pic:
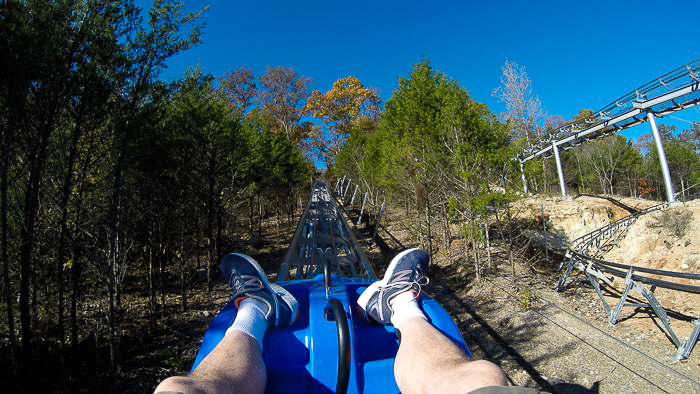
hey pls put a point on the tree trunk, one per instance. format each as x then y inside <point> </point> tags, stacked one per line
<point>28,233</point>
<point>251,205</point>
<point>447,236</point>
<point>63,240</point>
<point>260,216</point>
<point>112,239</point>
<point>488,242</point>
<point>427,220</point>
<point>544,175</point>
<point>161,262</point>
<point>477,267</point>
<point>465,251</point>
<point>6,269</point>
<point>210,222</point>
<point>151,282</point>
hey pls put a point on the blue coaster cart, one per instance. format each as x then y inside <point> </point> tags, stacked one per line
<point>329,349</point>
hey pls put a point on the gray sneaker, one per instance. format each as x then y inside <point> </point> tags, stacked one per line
<point>247,279</point>
<point>405,273</point>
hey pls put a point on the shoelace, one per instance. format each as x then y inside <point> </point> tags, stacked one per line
<point>250,283</point>
<point>415,284</point>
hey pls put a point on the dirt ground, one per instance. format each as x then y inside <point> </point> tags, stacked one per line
<point>555,342</point>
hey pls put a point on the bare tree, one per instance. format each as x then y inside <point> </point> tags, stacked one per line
<point>524,113</point>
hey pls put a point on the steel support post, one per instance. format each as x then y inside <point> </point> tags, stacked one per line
<point>522,175</point>
<point>623,299</point>
<point>658,309</point>
<point>596,287</point>
<point>362,210</point>
<point>342,181</point>
<point>353,196</point>
<point>559,170</point>
<point>376,226</point>
<point>662,157</point>
<point>346,190</point>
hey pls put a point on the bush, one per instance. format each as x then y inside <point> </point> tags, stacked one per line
<point>676,221</point>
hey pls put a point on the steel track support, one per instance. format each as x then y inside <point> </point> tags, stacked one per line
<point>596,287</point>
<point>658,309</point>
<point>376,227</point>
<point>562,185</point>
<point>342,199</point>
<point>362,210</point>
<point>628,286</point>
<point>662,157</point>
<point>687,345</point>
<point>522,175</point>
<point>353,196</point>
<point>565,277</point>
<point>339,185</point>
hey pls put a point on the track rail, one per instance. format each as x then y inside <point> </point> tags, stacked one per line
<point>587,254</point>
<point>324,239</point>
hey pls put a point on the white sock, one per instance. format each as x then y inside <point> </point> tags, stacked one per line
<point>250,319</point>
<point>404,306</point>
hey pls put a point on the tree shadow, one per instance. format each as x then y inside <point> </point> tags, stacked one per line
<point>631,210</point>
<point>569,388</point>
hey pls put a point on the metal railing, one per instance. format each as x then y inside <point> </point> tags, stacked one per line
<point>341,189</point>
<point>587,254</point>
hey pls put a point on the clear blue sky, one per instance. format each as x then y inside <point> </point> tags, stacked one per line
<point>582,54</point>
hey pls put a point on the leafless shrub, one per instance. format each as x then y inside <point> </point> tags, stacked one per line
<point>676,221</point>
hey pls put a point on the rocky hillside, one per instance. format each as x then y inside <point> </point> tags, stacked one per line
<point>665,240</point>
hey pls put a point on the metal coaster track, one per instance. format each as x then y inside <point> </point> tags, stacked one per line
<point>587,254</point>
<point>330,344</point>
<point>324,241</point>
<point>675,91</point>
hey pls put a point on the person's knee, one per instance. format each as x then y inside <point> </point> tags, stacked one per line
<point>173,384</point>
<point>488,372</point>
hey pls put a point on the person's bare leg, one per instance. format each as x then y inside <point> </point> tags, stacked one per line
<point>428,362</point>
<point>234,366</point>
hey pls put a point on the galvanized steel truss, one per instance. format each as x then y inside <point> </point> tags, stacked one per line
<point>587,255</point>
<point>673,92</point>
